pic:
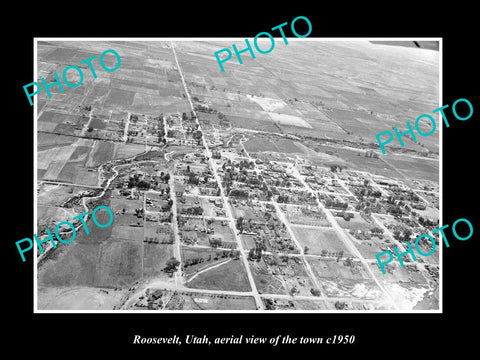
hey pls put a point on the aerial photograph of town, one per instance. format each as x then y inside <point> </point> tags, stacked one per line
<point>261,188</point>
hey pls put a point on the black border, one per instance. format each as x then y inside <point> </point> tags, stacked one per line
<point>376,334</point>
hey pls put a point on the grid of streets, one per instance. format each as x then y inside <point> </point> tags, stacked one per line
<point>204,221</point>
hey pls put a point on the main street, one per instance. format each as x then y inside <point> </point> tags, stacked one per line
<point>226,206</point>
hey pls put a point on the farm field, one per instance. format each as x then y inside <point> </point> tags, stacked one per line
<point>427,169</point>
<point>319,239</point>
<point>97,259</point>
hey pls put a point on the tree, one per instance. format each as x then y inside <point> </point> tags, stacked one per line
<point>305,249</point>
<point>340,305</point>
<point>258,253</point>
<point>90,128</point>
<point>192,179</point>
<point>142,184</point>
<point>215,242</point>
<point>171,265</point>
<point>240,223</point>
<point>197,135</point>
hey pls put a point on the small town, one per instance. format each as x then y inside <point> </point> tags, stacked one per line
<point>226,200</point>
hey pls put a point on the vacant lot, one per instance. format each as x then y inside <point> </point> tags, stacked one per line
<point>198,259</point>
<point>191,300</point>
<point>119,264</point>
<point>209,207</point>
<point>78,298</point>
<point>344,279</point>
<point>155,257</point>
<point>196,301</point>
<point>71,264</point>
<point>120,203</point>
<point>125,151</point>
<point>318,239</point>
<point>255,144</point>
<point>123,232</point>
<point>368,247</point>
<point>356,223</point>
<point>248,241</point>
<point>406,285</point>
<point>229,276</point>
<point>266,281</point>
<point>311,215</point>
<point>281,275</point>
<point>416,167</point>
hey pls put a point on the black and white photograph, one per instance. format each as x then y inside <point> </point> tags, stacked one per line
<point>261,187</point>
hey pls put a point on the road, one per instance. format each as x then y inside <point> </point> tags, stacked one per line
<point>69,184</point>
<point>284,219</point>
<point>347,241</point>
<point>156,284</point>
<point>176,244</point>
<point>226,206</point>
<point>125,129</point>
